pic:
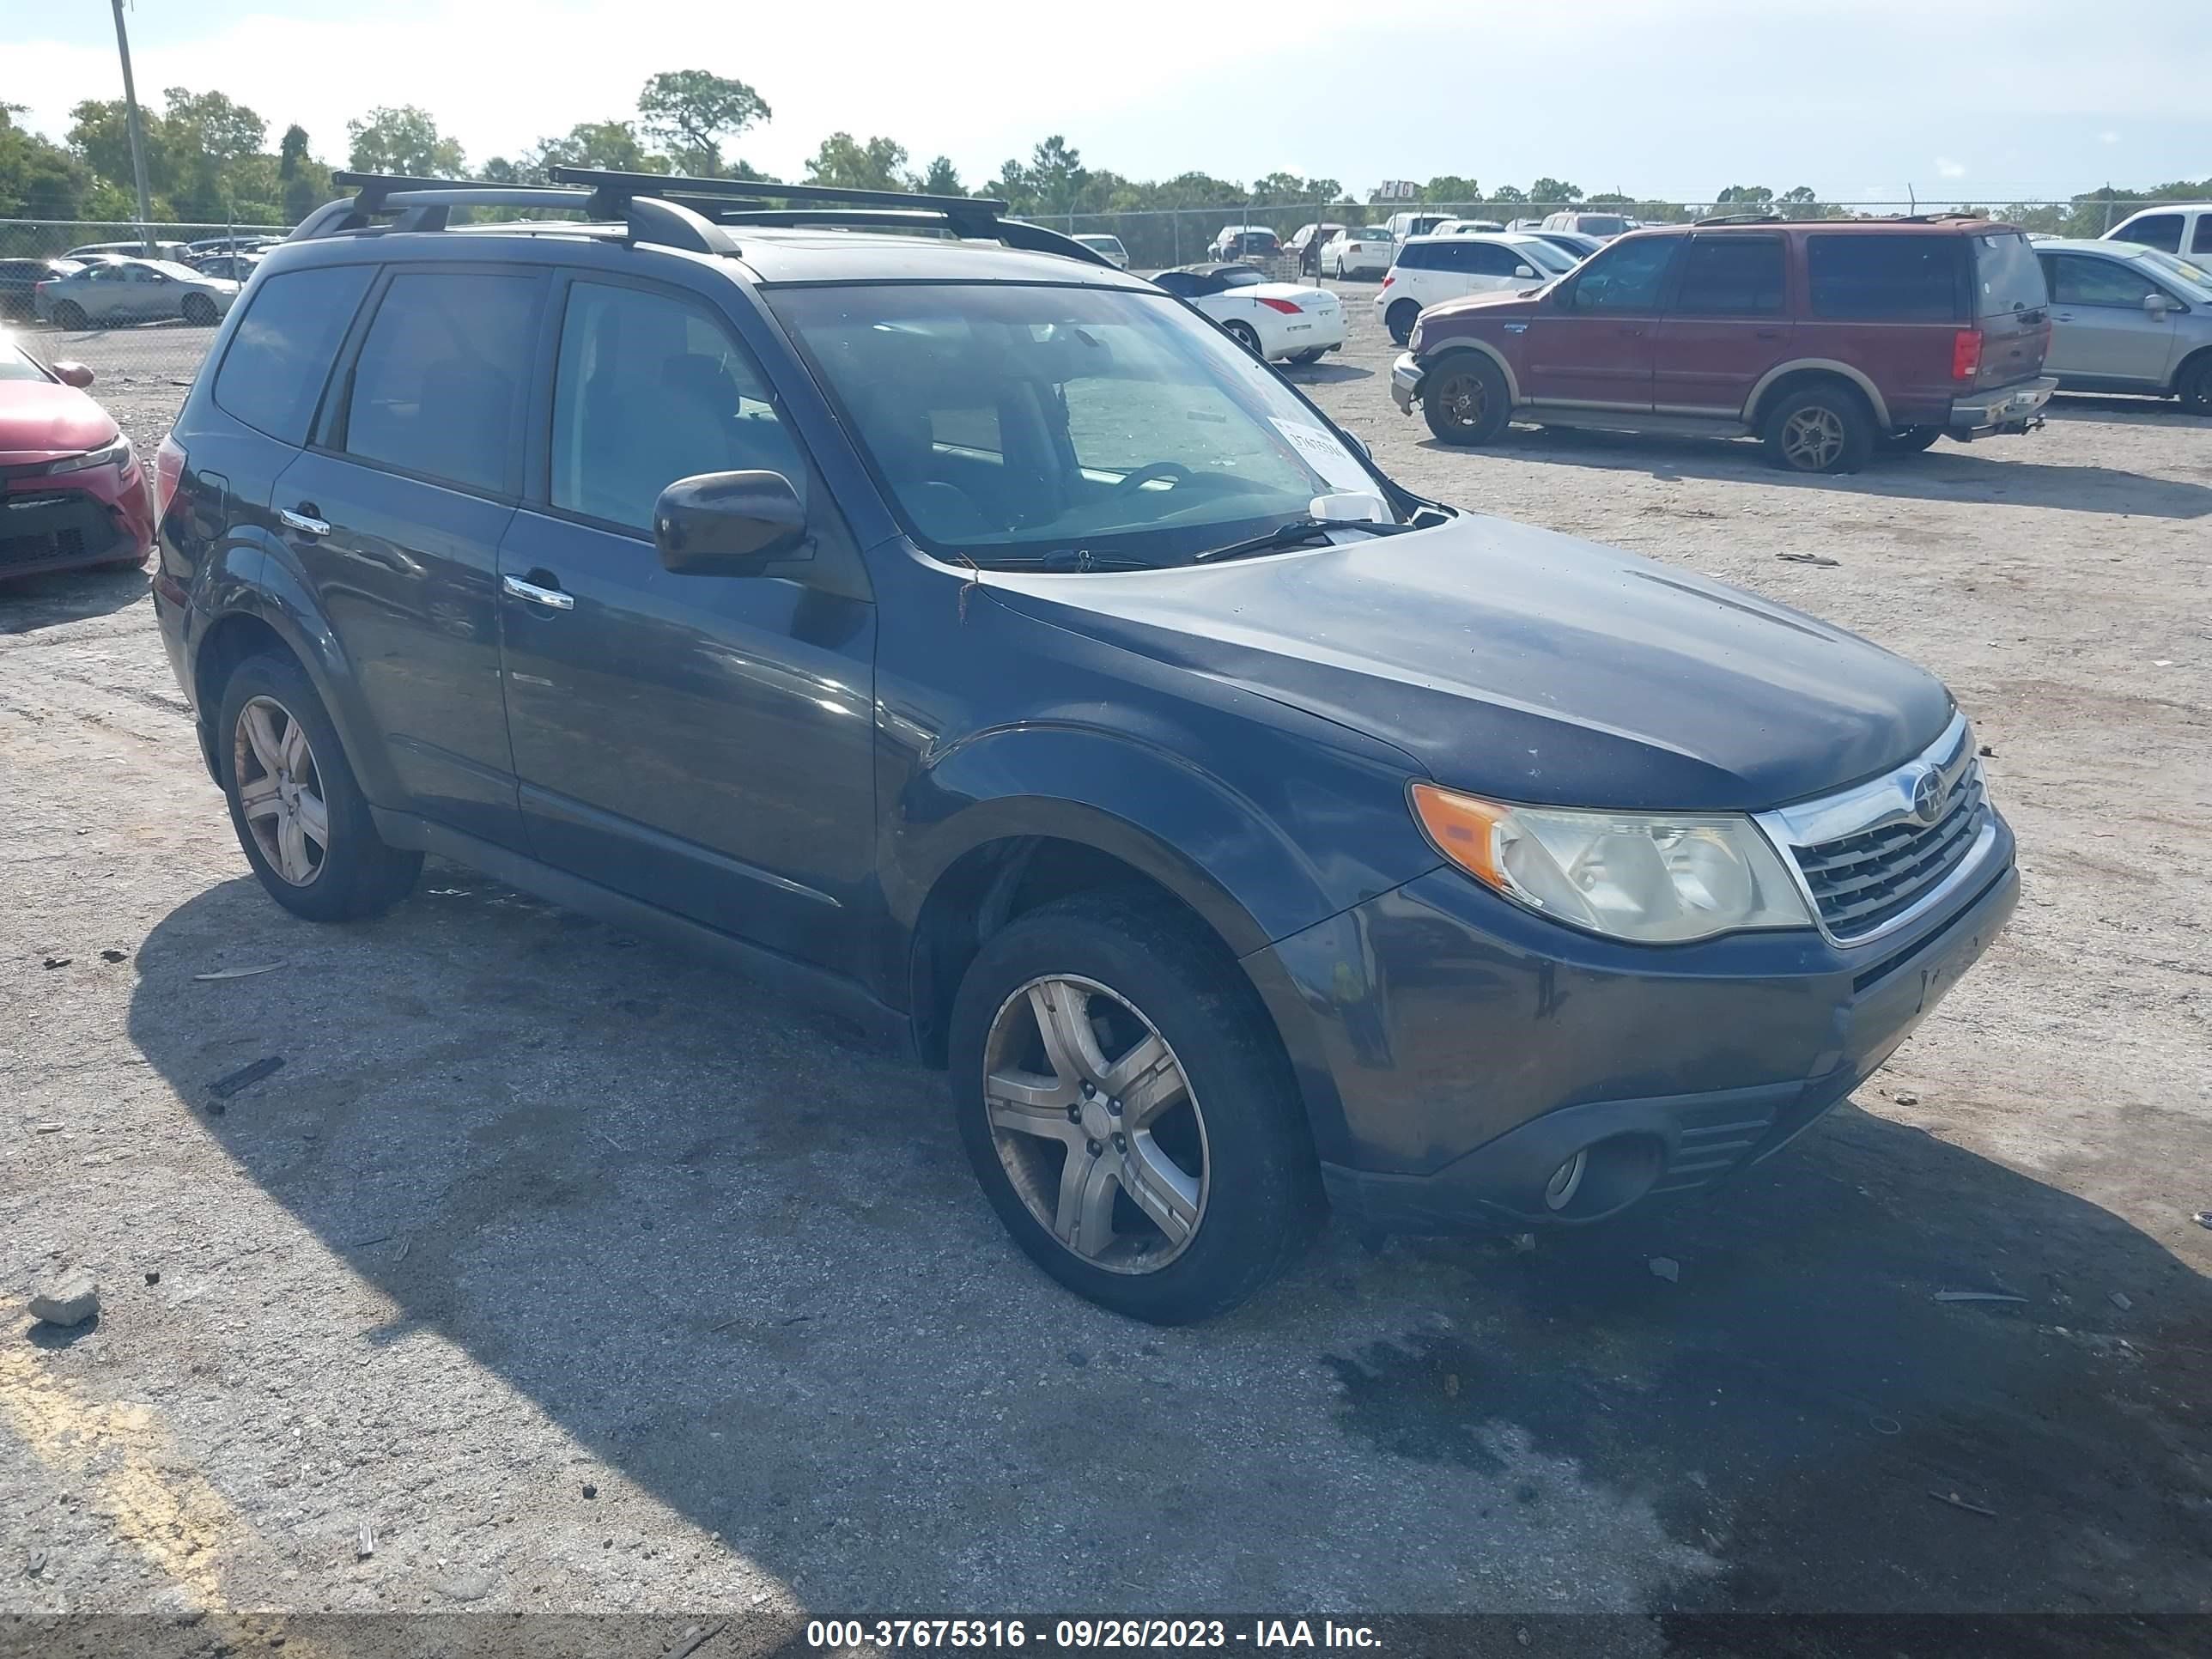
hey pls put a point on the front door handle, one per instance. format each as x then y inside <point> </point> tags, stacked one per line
<point>2063,316</point>
<point>551,597</point>
<point>305,523</point>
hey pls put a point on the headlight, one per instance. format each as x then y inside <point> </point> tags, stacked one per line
<point>1657,877</point>
<point>115,454</point>
<point>1413,339</point>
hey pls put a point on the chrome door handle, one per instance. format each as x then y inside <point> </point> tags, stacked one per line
<point>302,523</point>
<point>551,597</point>
<point>2063,316</point>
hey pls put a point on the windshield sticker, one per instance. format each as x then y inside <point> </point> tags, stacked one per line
<point>1325,455</point>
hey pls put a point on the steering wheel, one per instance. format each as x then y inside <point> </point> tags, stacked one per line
<point>1144,474</point>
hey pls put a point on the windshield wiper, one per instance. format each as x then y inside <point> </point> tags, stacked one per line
<point>1066,558</point>
<point>1290,534</point>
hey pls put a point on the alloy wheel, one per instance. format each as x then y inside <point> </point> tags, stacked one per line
<point>1812,437</point>
<point>279,792</point>
<point>1096,1125</point>
<point>1465,400</point>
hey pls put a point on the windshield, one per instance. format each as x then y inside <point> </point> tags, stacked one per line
<point>1014,423</point>
<point>14,366</point>
<point>2172,266</point>
<point>1553,261</point>
<point>1239,275</point>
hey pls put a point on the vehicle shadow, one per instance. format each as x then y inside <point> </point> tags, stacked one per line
<point>2122,411</point>
<point>1326,373</point>
<point>1947,472</point>
<point>28,603</point>
<point>742,1262</point>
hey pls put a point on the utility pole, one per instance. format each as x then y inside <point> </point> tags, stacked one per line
<point>138,131</point>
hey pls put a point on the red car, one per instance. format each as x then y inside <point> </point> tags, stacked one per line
<point>1831,339</point>
<point>72,492</point>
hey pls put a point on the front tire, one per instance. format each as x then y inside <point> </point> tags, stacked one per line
<point>300,816</point>
<point>1465,401</point>
<point>1400,320</point>
<point>1245,335</point>
<point>1127,1110</point>
<point>2194,384</point>
<point>200,311</point>
<point>1819,429</point>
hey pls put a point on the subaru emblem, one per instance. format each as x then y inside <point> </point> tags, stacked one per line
<point>1930,796</point>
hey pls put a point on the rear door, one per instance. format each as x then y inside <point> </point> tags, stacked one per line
<point>395,513</point>
<point>2011,307</point>
<point>2099,329</point>
<point>702,743</point>
<point>1591,341</point>
<point>1728,324</point>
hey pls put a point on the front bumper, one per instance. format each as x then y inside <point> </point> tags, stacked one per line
<point>1406,375</point>
<point>1456,1051</point>
<point>2015,408</point>
<point>68,521</point>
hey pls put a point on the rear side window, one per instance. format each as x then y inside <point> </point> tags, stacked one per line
<point>1419,256</point>
<point>2160,230</point>
<point>2202,242</point>
<point>1886,278</point>
<point>438,384</point>
<point>1733,275</point>
<point>2006,275</point>
<point>280,355</point>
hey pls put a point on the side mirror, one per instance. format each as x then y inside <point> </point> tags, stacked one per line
<point>729,524</point>
<point>1528,271</point>
<point>76,374</point>
<point>2155,304</point>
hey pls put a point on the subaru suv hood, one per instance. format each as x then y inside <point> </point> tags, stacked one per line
<point>1527,665</point>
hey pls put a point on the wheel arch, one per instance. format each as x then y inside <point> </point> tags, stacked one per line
<point>1787,377</point>
<point>2200,359</point>
<point>1480,348</point>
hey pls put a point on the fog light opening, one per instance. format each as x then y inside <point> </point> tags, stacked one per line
<point>1566,1181</point>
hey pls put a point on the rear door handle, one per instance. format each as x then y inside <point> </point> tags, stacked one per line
<point>551,597</point>
<point>304,522</point>
<point>1766,334</point>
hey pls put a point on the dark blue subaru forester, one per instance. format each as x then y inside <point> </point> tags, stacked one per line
<point>896,600</point>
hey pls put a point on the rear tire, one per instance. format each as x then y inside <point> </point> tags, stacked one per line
<point>1464,400</point>
<point>277,749</point>
<point>2193,385</point>
<point>1400,320</point>
<point>68,317</point>
<point>200,311</point>
<point>1819,429</point>
<point>1908,440</point>
<point>1313,356</point>
<point>1245,335</point>
<point>1220,1116</point>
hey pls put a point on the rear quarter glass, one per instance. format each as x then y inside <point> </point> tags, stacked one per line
<point>272,373</point>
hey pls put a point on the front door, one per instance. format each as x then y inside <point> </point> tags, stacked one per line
<point>1728,324</point>
<point>1591,341</point>
<point>395,513</point>
<point>702,743</point>
<point>2099,327</point>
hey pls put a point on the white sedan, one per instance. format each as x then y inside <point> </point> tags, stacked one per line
<point>1271,320</point>
<point>1366,252</point>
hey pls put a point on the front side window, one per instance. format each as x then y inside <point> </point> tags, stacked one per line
<point>650,388</point>
<point>280,353</point>
<point>1732,276</point>
<point>1888,278</point>
<point>1626,276</point>
<point>1016,423</point>
<point>2083,279</point>
<point>438,385</point>
<point>2158,230</point>
<point>2202,241</point>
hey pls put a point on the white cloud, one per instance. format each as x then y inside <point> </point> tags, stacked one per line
<point>1948,168</point>
<point>2108,137</point>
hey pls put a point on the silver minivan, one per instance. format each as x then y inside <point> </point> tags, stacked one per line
<point>2125,317</point>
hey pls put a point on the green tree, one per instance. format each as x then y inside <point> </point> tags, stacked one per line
<point>843,161</point>
<point>611,145</point>
<point>39,180</point>
<point>1451,187</point>
<point>100,134</point>
<point>1553,191</point>
<point>692,111</point>
<point>1507,194</point>
<point>403,139</point>
<point>292,152</point>
<point>1745,195</point>
<point>940,178</point>
<point>1057,174</point>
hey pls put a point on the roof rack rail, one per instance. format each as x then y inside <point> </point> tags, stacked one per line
<point>978,217</point>
<point>419,204</point>
<point>1741,219</point>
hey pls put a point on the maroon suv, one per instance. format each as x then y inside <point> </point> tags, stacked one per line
<point>1828,339</point>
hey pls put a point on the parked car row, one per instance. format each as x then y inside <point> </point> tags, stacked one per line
<point>106,289</point>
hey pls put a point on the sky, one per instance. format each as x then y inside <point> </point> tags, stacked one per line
<point>1672,99</point>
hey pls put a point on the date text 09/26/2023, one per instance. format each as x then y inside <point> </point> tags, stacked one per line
<point>1090,1635</point>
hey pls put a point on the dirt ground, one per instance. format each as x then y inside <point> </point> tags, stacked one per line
<point>590,1279</point>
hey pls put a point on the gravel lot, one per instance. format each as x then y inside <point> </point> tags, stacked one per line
<point>595,1281</point>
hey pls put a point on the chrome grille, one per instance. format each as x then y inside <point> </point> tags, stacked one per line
<point>1859,882</point>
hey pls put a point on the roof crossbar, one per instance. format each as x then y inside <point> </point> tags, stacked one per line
<point>428,203</point>
<point>678,183</point>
